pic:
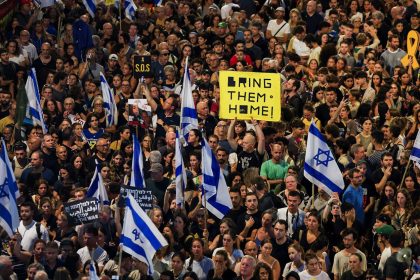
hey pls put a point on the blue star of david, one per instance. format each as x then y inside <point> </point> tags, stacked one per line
<point>137,235</point>
<point>3,193</point>
<point>323,157</point>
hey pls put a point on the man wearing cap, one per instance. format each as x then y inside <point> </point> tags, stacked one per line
<point>383,233</point>
<point>157,183</point>
<point>112,68</point>
<point>278,27</point>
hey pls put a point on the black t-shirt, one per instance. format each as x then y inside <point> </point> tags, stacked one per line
<point>173,120</point>
<point>280,251</point>
<point>378,174</point>
<point>349,276</point>
<point>244,217</point>
<point>158,188</point>
<point>247,160</point>
<point>394,269</point>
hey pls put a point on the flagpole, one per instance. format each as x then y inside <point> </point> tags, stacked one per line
<point>205,208</point>
<point>405,172</point>
<point>119,10</point>
<point>313,195</point>
<point>120,260</point>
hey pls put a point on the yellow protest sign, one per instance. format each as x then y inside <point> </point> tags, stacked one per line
<point>109,2</point>
<point>413,40</point>
<point>246,95</point>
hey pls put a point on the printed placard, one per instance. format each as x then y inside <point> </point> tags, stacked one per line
<point>142,66</point>
<point>82,211</point>
<point>247,95</point>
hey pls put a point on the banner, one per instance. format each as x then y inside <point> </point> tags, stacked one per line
<point>142,66</point>
<point>246,95</point>
<point>82,211</point>
<point>144,197</point>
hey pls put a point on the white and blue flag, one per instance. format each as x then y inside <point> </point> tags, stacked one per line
<point>130,9</point>
<point>189,118</point>
<point>180,173</point>
<point>111,111</point>
<point>214,187</point>
<point>140,237</point>
<point>157,2</point>
<point>97,188</point>
<point>34,109</point>
<point>92,272</point>
<point>137,176</point>
<point>320,167</point>
<point>415,152</point>
<point>90,7</point>
<point>44,3</point>
<point>9,192</point>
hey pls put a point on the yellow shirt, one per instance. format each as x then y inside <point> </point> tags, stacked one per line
<point>308,124</point>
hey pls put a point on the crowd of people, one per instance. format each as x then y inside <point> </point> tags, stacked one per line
<point>340,67</point>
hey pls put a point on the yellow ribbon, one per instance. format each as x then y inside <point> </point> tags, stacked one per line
<point>412,48</point>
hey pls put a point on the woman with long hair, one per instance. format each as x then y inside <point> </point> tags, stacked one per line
<point>313,231</point>
<point>64,230</point>
<point>365,137</point>
<point>411,184</point>
<point>222,266</point>
<point>263,272</point>
<point>386,197</point>
<point>296,263</point>
<point>266,229</point>
<point>177,265</point>
<point>16,54</point>
<point>376,81</point>
<point>231,248</point>
<point>198,262</point>
<point>402,209</point>
<point>226,224</point>
<point>265,257</point>
<point>47,217</point>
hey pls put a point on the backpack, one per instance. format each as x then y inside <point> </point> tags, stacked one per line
<point>38,230</point>
<point>277,202</point>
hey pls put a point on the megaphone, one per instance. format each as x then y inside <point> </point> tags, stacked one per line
<point>405,255</point>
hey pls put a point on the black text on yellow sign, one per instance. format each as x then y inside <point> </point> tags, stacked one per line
<point>247,95</point>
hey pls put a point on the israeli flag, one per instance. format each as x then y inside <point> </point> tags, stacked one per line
<point>9,192</point>
<point>90,7</point>
<point>214,187</point>
<point>137,176</point>
<point>189,118</point>
<point>415,152</point>
<point>180,173</point>
<point>130,9</point>
<point>320,167</point>
<point>44,3</point>
<point>157,2</point>
<point>140,237</point>
<point>97,188</point>
<point>110,106</point>
<point>92,272</point>
<point>34,109</point>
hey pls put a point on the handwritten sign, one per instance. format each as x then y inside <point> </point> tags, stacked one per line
<point>76,119</point>
<point>142,66</point>
<point>413,40</point>
<point>246,95</point>
<point>144,197</point>
<point>82,211</point>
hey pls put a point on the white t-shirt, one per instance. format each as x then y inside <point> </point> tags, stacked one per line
<point>273,26</point>
<point>30,235</point>
<point>386,253</point>
<point>225,10</point>
<point>304,275</point>
<point>100,256</point>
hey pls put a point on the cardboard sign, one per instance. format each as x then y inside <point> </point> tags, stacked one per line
<point>139,113</point>
<point>142,66</point>
<point>144,197</point>
<point>82,211</point>
<point>76,119</point>
<point>247,95</point>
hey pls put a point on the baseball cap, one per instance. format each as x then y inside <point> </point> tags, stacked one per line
<point>156,167</point>
<point>113,57</point>
<point>384,218</point>
<point>385,230</point>
<point>222,24</point>
<point>280,9</point>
